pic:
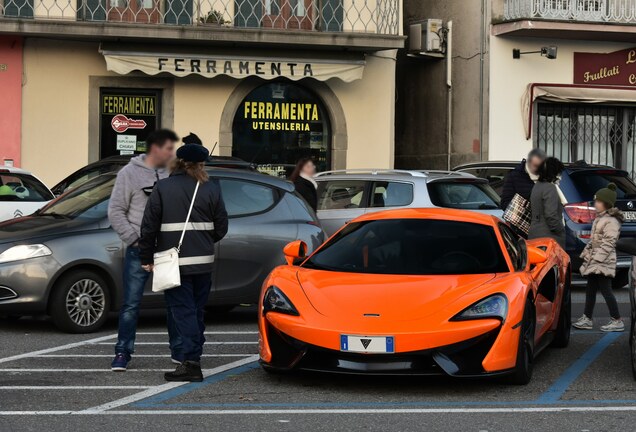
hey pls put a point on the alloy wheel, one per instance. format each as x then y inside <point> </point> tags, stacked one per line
<point>85,302</point>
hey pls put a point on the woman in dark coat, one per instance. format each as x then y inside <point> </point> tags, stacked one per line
<point>546,203</point>
<point>303,179</point>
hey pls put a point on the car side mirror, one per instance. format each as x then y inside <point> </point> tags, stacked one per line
<point>536,255</point>
<point>295,250</point>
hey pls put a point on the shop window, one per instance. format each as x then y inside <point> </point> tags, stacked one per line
<point>596,134</point>
<point>127,116</point>
<point>279,123</point>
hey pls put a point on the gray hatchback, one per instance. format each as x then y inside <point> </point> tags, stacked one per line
<point>66,261</point>
<point>345,195</point>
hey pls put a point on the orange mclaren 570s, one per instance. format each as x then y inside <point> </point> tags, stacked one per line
<point>417,291</point>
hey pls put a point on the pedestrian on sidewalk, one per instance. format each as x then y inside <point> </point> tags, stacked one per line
<point>163,223</point>
<point>546,203</point>
<point>133,185</point>
<point>522,179</point>
<point>599,260</point>
<point>303,179</point>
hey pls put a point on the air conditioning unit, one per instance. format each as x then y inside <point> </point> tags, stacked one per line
<point>425,37</point>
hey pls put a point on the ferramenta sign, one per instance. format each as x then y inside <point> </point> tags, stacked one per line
<point>211,66</point>
<point>616,68</point>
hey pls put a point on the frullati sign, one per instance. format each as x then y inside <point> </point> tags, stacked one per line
<point>615,68</point>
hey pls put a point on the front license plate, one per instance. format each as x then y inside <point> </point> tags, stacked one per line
<point>367,344</point>
<point>629,216</point>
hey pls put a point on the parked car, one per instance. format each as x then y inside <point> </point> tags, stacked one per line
<point>21,193</point>
<point>345,195</point>
<point>114,163</point>
<point>66,261</point>
<point>378,298</point>
<point>579,183</point>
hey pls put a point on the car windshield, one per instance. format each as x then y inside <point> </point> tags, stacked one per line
<point>467,195</point>
<point>89,200</point>
<point>412,247</point>
<point>588,182</point>
<point>22,188</point>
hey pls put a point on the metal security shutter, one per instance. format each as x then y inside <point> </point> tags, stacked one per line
<point>178,12</point>
<point>597,134</point>
<point>248,13</point>
<point>18,8</point>
<point>331,15</point>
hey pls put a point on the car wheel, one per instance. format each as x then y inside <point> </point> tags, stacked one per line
<point>522,373</point>
<point>80,302</point>
<point>562,334</point>
<point>621,279</point>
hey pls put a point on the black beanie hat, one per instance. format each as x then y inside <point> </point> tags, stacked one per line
<point>193,153</point>
<point>192,139</point>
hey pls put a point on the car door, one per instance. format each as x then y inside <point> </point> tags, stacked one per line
<point>340,201</point>
<point>259,227</point>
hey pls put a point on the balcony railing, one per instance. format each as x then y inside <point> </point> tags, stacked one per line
<point>612,11</point>
<point>364,16</point>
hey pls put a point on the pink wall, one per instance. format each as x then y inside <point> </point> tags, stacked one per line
<point>11,99</point>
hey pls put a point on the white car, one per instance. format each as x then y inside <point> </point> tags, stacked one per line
<point>21,193</point>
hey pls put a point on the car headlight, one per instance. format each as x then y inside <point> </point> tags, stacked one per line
<point>276,301</point>
<point>495,306</point>
<point>22,252</point>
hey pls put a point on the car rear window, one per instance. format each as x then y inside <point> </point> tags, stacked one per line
<point>588,182</point>
<point>22,188</point>
<point>412,247</point>
<point>463,195</point>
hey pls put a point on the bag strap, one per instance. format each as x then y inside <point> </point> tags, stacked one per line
<point>185,226</point>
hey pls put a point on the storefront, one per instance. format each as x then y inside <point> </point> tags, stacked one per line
<point>580,106</point>
<point>267,107</point>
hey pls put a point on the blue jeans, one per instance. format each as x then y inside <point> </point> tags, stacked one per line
<point>187,306</point>
<point>135,279</point>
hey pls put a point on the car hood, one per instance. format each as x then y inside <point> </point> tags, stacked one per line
<point>392,297</point>
<point>32,227</point>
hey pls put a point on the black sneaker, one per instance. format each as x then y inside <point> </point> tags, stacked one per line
<point>186,371</point>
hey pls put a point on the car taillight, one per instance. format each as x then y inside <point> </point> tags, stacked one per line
<point>580,213</point>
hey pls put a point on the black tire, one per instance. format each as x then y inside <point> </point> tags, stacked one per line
<point>562,334</point>
<point>621,279</point>
<point>80,302</point>
<point>522,373</point>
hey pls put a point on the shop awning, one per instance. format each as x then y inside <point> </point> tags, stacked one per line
<point>571,93</point>
<point>292,65</point>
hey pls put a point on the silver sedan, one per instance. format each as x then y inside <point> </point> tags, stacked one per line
<point>66,261</point>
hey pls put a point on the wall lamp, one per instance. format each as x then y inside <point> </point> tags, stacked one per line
<point>549,52</point>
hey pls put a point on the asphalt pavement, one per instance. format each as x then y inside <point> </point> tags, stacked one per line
<point>58,382</point>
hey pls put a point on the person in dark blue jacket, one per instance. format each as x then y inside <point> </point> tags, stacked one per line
<point>162,224</point>
<point>521,180</point>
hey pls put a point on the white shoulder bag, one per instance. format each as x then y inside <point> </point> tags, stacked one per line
<point>165,274</point>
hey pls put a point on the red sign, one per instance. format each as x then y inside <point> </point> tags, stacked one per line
<point>616,68</point>
<point>121,123</point>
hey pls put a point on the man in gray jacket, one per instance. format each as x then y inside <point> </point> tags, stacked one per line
<point>133,186</point>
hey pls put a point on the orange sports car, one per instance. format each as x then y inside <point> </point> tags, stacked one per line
<point>417,291</point>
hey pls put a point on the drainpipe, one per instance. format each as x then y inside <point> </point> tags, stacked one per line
<point>449,86</point>
<point>482,75</point>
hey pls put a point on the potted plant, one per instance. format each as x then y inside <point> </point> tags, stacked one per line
<point>213,17</point>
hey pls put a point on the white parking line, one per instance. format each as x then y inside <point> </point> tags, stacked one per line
<point>500,410</point>
<point>163,388</point>
<point>98,340</point>
<point>134,355</point>
<point>207,343</point>
<point>74,387</point>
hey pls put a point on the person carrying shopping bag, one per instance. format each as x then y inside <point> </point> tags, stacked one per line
<point>599,260</point>
<point>186,213</point>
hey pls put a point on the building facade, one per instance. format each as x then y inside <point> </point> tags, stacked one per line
<point>578,106</point>
<point>266,81</point>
